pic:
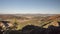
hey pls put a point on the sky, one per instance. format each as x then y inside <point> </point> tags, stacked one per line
<point>29,6</point>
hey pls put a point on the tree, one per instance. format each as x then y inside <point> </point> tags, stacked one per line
<point>15,24</point>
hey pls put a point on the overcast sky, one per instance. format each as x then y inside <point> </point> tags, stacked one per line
<point>29,6</point>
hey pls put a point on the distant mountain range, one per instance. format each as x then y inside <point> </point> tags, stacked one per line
<point>30,14</point>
